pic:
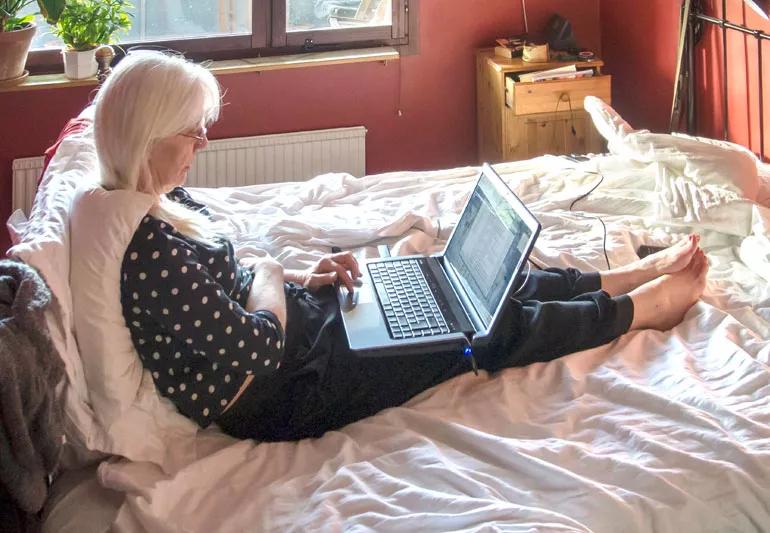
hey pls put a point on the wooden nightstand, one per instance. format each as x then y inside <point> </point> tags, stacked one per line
<point>519,120</point>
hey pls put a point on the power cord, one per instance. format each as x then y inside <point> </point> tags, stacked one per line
<point>526,279</point>
<point>576,200</point>
<point>539,267</point>
<point>571,117</point>
<point>583,196</point>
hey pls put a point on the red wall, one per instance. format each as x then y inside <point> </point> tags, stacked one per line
<point>640,43</point>
<point>639,40</point>
<point>742,68</point>
<point>435,89</point>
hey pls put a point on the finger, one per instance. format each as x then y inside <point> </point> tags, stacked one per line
<point>319,280</point>
<point>344,276</point>
<point>349,261</point>
<point>324,265</point>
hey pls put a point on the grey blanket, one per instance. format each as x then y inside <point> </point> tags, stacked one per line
<point>31,425</point>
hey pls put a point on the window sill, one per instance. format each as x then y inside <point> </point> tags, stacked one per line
<point>234,66</point>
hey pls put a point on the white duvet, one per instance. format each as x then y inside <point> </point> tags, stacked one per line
<point>653,432</point>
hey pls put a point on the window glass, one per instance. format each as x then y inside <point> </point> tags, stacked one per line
<point>304,15</point>
<point>174,19</point>
<point>43,36</point>
<point>155,20</point>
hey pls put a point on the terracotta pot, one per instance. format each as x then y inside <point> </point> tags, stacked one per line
<point>14,46</point>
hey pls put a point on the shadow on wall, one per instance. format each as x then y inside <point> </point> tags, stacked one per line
<point>743,96</point>
<point>639,40</point>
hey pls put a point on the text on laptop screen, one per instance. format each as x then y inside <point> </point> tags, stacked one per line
<point>487,246</point>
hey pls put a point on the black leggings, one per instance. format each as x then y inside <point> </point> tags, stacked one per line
<point>322,386</point>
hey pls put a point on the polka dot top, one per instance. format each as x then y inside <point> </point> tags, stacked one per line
<point>183,301</point>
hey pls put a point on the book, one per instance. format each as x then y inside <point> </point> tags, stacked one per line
<point>568,72</point>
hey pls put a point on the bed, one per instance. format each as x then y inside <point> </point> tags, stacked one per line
<point>657,431</point>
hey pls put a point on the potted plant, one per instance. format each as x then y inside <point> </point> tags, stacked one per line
<point>86,25</point>
<point>16,33</point>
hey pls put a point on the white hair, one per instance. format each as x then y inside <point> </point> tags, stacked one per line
<point>151,96</point>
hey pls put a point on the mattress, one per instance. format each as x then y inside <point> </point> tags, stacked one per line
<point>656,431</point>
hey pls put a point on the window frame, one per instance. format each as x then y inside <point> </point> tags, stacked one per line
<point>268,38</point>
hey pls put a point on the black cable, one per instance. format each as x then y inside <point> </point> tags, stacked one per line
<point>601,179</point>
<point>604,226</point>
<point>571,117</point>
<point>604,242</point>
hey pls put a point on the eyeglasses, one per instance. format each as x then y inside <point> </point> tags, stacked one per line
<point>199,136</point>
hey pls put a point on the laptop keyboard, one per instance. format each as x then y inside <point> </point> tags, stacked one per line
<point>407,301</point>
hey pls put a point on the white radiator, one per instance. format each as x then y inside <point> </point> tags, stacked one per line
<point>26,173</point>
<point>244,161</point>
<point>276,158</point>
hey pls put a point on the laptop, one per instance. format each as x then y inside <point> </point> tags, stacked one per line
<point>453,300</point>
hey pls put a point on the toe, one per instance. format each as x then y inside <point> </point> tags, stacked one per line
<point>703,263</point>
<point>694,263</point>
<point>686,247</point>
<point>693,242</point>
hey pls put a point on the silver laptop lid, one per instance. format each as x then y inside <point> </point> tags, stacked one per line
<point>489,246</point>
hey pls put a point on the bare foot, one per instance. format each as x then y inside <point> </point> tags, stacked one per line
<point>669,261</point>
<point>662,303</point>
<point>672,259</point>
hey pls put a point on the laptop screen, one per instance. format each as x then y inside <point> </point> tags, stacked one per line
<point>488,245</point>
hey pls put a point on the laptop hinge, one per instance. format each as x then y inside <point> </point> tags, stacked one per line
<point>462,295</point>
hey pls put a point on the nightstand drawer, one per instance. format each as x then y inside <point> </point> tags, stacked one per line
<point>550,96</point>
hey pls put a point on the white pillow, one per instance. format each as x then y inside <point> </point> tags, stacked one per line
<point>139,423</point>
<point>102,224</point>
<point>696,181</point>
<point>44,245</point>
<point>142,432</point>
<point>16,225</point>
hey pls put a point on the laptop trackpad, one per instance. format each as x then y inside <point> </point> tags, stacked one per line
<point>359,297</point>
<point>364,323</point>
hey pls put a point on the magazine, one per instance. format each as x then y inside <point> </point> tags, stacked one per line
<point>569,72</point>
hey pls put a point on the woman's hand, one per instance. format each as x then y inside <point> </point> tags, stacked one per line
<point>342,267</point>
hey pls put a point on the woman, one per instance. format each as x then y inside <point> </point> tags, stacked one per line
<point>259,349</point>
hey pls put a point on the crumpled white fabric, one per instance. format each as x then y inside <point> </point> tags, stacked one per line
<point>655,432</point>
<point>695,178</point>
<point>661,432</point>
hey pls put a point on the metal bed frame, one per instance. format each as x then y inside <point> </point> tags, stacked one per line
<point>697,19</point>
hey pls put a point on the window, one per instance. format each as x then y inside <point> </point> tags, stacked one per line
<point>220,29</point>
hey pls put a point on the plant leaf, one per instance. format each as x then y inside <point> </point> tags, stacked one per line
<point>17,23</point>
<point>85,24</point>
<point>51,9</point>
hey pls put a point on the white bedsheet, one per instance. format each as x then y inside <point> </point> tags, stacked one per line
<point>653,432</point>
